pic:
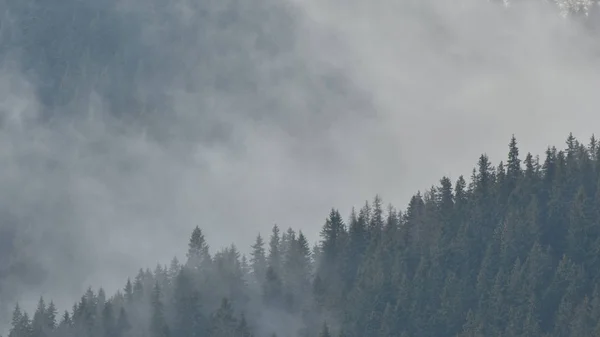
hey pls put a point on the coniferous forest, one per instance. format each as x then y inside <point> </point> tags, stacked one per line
<point>511,251</point>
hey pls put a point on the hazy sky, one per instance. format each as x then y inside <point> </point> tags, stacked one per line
<point>272,114</point>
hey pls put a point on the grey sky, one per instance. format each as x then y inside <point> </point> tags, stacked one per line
<point>272,113</point>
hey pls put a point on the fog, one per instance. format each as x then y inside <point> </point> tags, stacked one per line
<point>126,123</point>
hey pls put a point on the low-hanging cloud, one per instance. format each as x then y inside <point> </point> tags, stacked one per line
<point>125,123</point>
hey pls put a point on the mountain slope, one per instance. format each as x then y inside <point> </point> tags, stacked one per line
<point>513,252</point>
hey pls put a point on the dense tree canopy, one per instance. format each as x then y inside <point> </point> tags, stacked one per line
<point>512,252</point>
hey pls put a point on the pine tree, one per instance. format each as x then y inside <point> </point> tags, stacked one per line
<point>329,269</point>
<point>158,324</point>
<point>302,264</point>
<point>274,258</point>
<point>123,324</point>
<point>20,325</point>
<point>174,269</point>
<point>272,288</point>
<point>38,324</point>
<point>331,235</point>
<point>50,318</point>
<point>189,318</point>
<point>198,251</point>
<point>223,321</point>
<point>258,260</point>
<point>355,248</point>
<point>129,291</point>
<point>138,286</point>
<point>513,168</point>
<point>66,320</point>
<point>579,229</point>
<point>376,223</point>
<point>108,321</point>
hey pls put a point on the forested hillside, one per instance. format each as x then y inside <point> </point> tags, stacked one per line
<point>512,251</point>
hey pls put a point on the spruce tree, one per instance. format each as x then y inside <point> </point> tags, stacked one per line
<point>258,260</point>
<point>158,324</point>
<point>189,318</point>
<point>274,258</point>
<point>198,251</point>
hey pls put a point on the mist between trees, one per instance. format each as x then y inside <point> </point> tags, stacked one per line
<point>512,252</point>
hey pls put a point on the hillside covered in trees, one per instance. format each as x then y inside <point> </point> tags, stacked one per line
<point>513,251</point>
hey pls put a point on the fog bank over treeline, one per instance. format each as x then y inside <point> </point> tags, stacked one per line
<point>126,123</point>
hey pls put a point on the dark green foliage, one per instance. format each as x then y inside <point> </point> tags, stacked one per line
<point>21,326</point>
<point>258,258</point>
<point>158,323</point>
<point>189,319</point>
<point>198,255</point>
<point>123,325</point>
<point>514,252</point>
<point>272,288</point>
<point>223,321</point>
<point>274,258</point>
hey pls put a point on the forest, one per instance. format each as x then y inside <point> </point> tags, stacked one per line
<point>511,251</point>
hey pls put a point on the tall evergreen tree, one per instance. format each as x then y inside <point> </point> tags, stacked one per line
<point>513,168</point>
<point>189,317</point>
<point>38,324</point>
<point>223,321</point>
<point>258,260</point>
<point>123,325</point>
<point>158,323</point>
<point>274,258</point>
<point>198,251</point>
<point>109,325</point>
